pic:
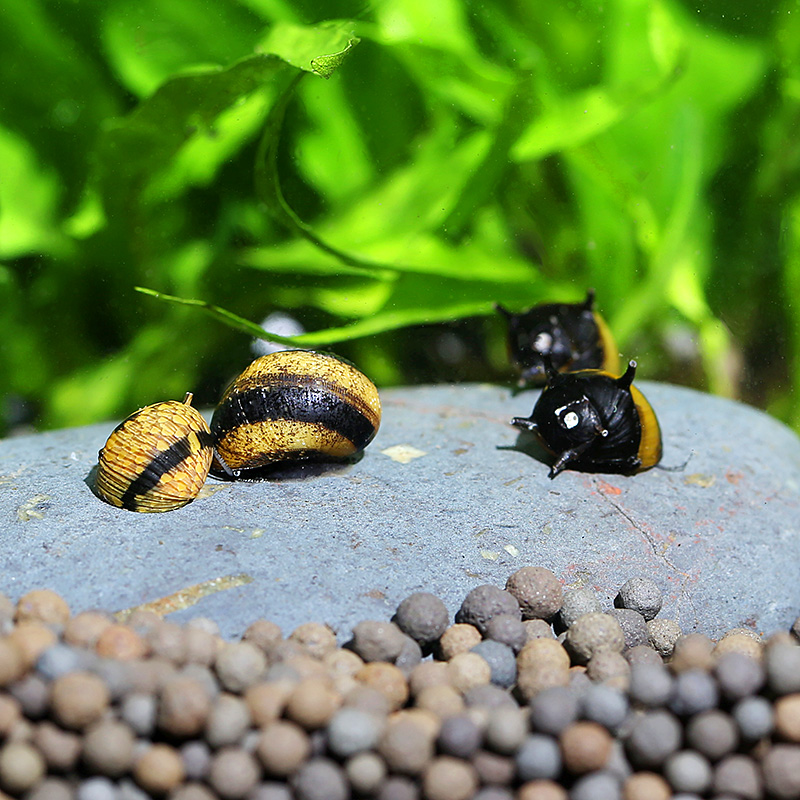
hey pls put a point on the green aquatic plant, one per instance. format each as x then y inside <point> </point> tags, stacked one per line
<point>394,165</point>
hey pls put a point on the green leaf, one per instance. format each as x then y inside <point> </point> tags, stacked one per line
<point>29,195</point>
<point>320,49</point>
<point>220,314</point>
<point>149,41</point>
<point>153,153</point>
<point>144,144</point>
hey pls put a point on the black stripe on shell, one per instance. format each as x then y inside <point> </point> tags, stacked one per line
<point>166,461</point>
<point>301,403</point>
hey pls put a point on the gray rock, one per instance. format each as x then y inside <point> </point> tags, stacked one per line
<point>470,504</point>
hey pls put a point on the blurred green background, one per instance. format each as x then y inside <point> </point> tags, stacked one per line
<point>384,172</point>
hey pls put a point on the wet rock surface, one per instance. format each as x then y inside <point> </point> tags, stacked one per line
<point>448,496</point>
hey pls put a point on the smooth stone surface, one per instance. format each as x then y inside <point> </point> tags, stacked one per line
<point>721,536</point>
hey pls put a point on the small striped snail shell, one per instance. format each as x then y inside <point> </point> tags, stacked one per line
<point>157,459</point>
<point>293,405</point>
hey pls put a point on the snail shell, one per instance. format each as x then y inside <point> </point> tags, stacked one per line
<point>593,421</point>
<point>157,459</point>
<point>572,335</point>
<point>294,405</point>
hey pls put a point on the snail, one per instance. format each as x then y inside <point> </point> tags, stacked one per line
<point>293,405</point>
<point>573,335</point>
<point>595,422</point>
<point>157,459</point>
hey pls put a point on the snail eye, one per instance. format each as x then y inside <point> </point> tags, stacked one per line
<point>543,342</point>
<point>569,420</point>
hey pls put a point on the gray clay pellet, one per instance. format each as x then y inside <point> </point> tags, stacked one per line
<point>604,705</point>
<point>492,768</point>
<point>60,748</point>
<point>738,675</point>
<point>239,664</point>
<point>168,640</point>
<point>662,635</point>
<point>633,624</point>
<point>688,771</point>
<point>62,658</point>
<point>320,779</point>
<point>650,684</point>
<point>579,682</point>
<point>538,758</point>
<point>694,691</point>
<point>508,630</point>
<point>21,767</point>
<point>139,711</point>
<point>781,767</point>
<point>782,662</point>
<point>505,730</point>
<point>459,736</point>
<point>406,747</point>
<point>643,654</point>
<point>618,763</point>
<point>193,791</point>
<point>376,640</point>
<point>712,733</point>
<point>489,696</point>
<point>501,661</point>
<point>205,624</point>
<point>108,748</point>
<point>33,694</point>
<point>227,721</point>
<point>365,772</point>
<point>183,707</point>
<point>398,787</point>
<point>552,710</point>
<point>98,788</point>
<point>592,633</point>
<point>271,790</point>
<point>577,602</point>
<point>754,717</point>
<point>423,617</point>
<point>740,776</point>
<point>537,629</point>
<point>654,737</point>
<point>233,773</point>
<point>352,730</point>
<point>485,602</point>
<point>367,699</point>
<point>538,592</point>
<point>493,793</point>
<point>116,675</point>
<point>196,757</point>
<point>640,594</point>
<point>52,789</point>
<point>409,656</point>
<point>601,785</point>
<point>203,675</point>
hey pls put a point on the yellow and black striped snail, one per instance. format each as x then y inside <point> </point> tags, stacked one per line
<point>573,335</point>
<point>593,421</point>
<point>290,406</point>
<point>157,459</point>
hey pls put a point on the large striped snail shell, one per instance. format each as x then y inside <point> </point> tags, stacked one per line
<point>294,405</point>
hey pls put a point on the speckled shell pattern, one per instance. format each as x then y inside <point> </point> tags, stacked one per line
<point>157,459</point>
<point>294,405</point>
